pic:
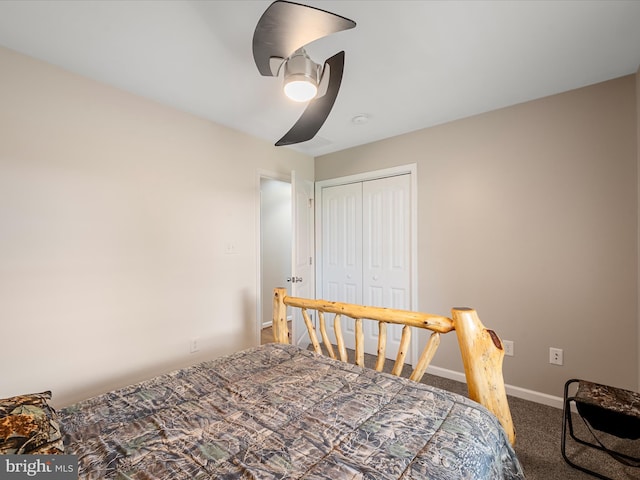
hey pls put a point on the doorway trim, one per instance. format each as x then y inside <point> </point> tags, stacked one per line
<point>410,169</point>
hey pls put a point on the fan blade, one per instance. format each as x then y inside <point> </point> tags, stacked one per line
<point>318,109</point>
<point>286,26</point>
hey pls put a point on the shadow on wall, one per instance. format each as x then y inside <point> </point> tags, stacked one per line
<point>249,321</point>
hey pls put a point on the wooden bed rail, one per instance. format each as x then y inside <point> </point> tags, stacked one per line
<point>481,349</point>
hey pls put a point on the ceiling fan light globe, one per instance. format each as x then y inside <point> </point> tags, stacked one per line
<point>300,90</point>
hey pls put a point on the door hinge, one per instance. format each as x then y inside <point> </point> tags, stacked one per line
<point>310,202</point>
<point>310,260</point>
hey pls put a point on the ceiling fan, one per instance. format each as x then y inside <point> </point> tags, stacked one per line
<point>281,34</point>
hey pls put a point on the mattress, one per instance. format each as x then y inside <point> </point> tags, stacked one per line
<point>278,411</point>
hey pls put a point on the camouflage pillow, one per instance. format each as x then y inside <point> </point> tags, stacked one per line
<point>28,424</point>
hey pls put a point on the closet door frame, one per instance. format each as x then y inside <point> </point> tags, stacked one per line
<point>410,169</point>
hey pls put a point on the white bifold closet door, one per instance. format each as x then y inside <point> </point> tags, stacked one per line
<point>366,251</point>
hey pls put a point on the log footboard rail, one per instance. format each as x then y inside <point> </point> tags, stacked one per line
<point>481,349</point>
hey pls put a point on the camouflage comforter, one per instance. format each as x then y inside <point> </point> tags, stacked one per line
<point>276,412</point>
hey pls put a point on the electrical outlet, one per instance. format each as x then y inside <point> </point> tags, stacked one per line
<point>193,345</point>
<point>556,356</point>
<point>508,347</point>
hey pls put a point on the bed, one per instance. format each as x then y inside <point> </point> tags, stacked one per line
<point>278,411</point>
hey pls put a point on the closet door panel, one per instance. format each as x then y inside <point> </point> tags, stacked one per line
<point>386,251</point>
<point>342,250</point>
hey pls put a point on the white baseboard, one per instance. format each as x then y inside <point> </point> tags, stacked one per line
<point>518,392</point>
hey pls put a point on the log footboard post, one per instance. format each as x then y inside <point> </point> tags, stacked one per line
<point>482,356</point>
<point>280,325</point>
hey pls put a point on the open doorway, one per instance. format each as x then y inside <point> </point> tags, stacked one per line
<point>275,246</point>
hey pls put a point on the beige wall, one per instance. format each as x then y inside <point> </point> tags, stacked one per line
<point>115,216</point>
<point>529,214</point>
<point>116,212</point>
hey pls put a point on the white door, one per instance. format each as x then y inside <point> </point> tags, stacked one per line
<point>366,251</point>
<point>302,262</point>
<point>342,243</point>
<point>386,252</point>
<point>342,251</point>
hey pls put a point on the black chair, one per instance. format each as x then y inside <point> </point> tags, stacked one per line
<point>608,409</point>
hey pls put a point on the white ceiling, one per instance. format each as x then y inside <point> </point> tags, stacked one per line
<point>409,64</point>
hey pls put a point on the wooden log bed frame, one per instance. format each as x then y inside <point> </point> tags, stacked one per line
<point>481,349</point>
